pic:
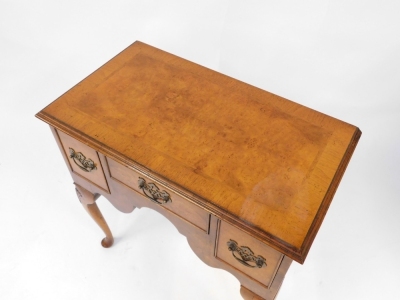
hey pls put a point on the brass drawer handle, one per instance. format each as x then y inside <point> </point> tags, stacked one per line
<point>85,164</point>
<point>152,192</point>
<point>245,255</point>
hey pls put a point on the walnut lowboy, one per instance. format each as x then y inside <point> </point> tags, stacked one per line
<point>245,175</point>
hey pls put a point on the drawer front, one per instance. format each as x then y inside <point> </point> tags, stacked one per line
<point>159,194</point>
<point>83,160</point>
<point>247,254</point>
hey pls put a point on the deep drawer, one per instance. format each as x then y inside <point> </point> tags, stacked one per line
<point>159,194</point>
<point>247,254</point>
<point>83,160</point>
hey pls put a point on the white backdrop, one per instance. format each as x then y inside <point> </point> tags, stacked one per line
<point>339,57</point>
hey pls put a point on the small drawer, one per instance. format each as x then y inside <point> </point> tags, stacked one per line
<point>159,194</point>
<point>83,160</point>
<point>247,254</point>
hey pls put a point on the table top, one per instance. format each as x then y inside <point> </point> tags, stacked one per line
<point>257,160</point>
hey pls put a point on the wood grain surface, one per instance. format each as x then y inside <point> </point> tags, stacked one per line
<point>265,164</point>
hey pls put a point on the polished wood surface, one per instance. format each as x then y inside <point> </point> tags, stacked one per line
<point>267,163</point>
<point>245,175</point>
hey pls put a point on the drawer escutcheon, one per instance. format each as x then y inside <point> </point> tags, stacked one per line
<point>85,164</point>
<point>247,256</point>
<point>152,192</point>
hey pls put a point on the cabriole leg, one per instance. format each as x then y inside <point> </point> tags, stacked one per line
<point>88,201</point>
